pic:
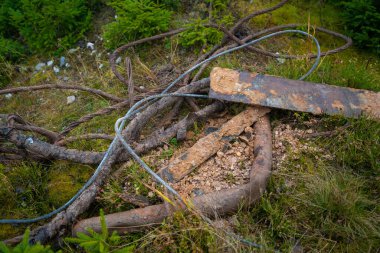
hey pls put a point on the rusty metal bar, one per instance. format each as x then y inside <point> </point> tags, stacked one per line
<point>276,92</point>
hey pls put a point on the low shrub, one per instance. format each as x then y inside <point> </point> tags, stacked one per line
<point>135,19</point>
<point>199,35</point>
<point>44,24</point>
<point>41,26</point>
<point>362,21</point>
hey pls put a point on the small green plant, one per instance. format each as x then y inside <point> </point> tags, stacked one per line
<point>166,154</point>
<point>11,49</point>
<point>100,242</point>
<point>45,24</point>
<point>174,142</point>
<point>135,19</point>
<point>362,21</point>
<point>200,35</point>
<point>25,247</point>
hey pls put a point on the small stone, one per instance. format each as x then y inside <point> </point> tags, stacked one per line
<point>67,65</point>
<point>142,87</point>
<point>150,194</point>
<point>244,139</point>
<point>40,65</point>
<point>71,99</point>
<point>90,45</point>
<point>8,96</point>
<point>50,63</point>
<point>56,69</point>
<point>309,131</point>
<point>62,61</point>
<point>281,60</point>
<point>101,65</point>
<point>238,154</point>
<point>118,60</point>
<point>198,192</point>
<point>248,129</point>
<point>220,154</point>
<point>73,50</point>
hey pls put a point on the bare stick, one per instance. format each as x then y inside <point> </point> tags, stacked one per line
<point>62,87</point>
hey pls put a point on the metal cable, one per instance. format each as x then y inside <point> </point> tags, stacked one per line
<point>120,124</point>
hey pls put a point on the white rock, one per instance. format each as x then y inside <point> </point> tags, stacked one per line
<point>118,60</point>
<point>142,87</point>
<point>150,194</point>
<point>70,99</point>
<point>62,61</point>
<point>73,50</point>
<point>67,65</point>
<point>8,96</point>
<point>56,69</point>
<point>50,63</point>
<point>90,45</point>
<point>101,65</point>
<point>40,65</point>
<point>280,60</point>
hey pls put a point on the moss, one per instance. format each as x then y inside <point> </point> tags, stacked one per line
<point>64,180</point>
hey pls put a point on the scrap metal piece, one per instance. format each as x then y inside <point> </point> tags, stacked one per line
<point>276,92</point>
<point>210,144</point>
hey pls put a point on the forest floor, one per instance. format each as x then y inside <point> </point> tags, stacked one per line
<point>324,191</point>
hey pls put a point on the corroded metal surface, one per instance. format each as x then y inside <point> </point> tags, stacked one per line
<point>276,92</point>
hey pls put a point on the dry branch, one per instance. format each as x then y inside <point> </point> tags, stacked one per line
<point>62,87</point>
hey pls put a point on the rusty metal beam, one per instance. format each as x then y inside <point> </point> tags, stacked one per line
<point>276,92</point>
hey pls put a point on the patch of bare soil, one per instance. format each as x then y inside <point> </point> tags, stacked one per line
<point>231,165</point>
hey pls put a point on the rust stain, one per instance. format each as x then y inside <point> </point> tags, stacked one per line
<point>299,102</point>
<point>273,92</point>
<point>372,104</point>
<point>338,104</point>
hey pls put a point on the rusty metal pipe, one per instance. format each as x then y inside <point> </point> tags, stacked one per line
<point>213,204</point>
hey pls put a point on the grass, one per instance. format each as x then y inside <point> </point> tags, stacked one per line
<point>312,203</point>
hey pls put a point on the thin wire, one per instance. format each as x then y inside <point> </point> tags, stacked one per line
<point>120,124</point>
